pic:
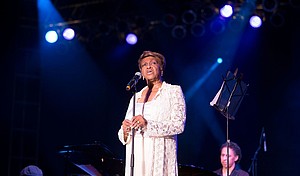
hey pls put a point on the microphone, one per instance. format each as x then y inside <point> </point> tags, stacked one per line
<point>133,81</point>
<point>265,140</point>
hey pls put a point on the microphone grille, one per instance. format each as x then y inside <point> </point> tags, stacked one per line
<point>138,74</point>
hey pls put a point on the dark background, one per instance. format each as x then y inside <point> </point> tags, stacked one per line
<point>73,92</point>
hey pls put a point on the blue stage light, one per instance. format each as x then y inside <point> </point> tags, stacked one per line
<point>131,39</point>
<point>219,60</point>
<point>226,11</point>
<point>51,36</point>
<point>68,33</point>
<point>255,21</point>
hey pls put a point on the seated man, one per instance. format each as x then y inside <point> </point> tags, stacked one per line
<point>233,158</point>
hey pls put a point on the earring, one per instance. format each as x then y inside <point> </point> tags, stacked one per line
<point>162,73</point>
<point>143,77</point>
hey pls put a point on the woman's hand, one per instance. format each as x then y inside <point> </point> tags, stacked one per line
<point>139,122</point>
<point>126,125</point>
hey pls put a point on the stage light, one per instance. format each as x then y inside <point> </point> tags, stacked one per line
<point>179,32</point>
<point>131,39</point>
<point>219,60</point>
<point>51,36</point>
<point>189,17</point>
<point>68,34</point>
<point>226,11</point>
<point>255,21</point>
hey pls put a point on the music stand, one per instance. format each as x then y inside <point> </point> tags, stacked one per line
<point>228,100</point>
<point>230,95</point>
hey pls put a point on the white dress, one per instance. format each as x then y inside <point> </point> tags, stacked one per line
<point>155,148</point>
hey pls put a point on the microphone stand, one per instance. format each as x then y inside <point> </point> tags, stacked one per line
<point>132,133</point>
<point>226,110</point>
<point>253,165</point>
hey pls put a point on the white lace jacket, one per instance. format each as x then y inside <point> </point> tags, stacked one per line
<point>156,146</point>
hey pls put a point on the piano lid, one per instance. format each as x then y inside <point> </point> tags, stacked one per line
<point>93,158</point>
<point>82,153</point>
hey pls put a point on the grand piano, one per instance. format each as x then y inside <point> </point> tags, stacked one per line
<point>97,160</point>
<point>93,159</point>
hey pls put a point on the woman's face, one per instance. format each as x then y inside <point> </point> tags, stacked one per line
<point>151,69</point>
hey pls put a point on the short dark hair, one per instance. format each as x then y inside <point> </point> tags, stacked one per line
<point>235,147</point>
<point>31,170</point>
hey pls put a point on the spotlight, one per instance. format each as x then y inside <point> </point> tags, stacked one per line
<point>179,32</point>
<point>51,36</point>
<point>189,17</point>
<point>255,21</point>
<point>226,11</point>
<point>219,60</point>
<point>131,39</point>
<point>197,29</point>
<point>68,34</point>
<point>270,5</point>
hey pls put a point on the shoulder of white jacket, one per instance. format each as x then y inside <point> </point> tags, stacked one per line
<point>172,86</point>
